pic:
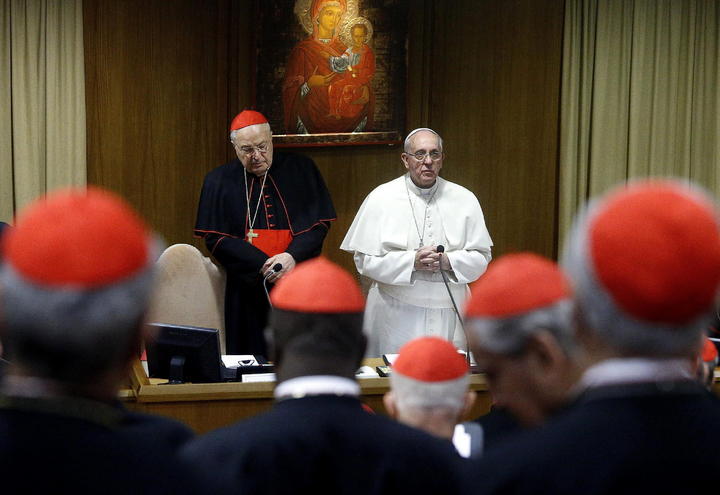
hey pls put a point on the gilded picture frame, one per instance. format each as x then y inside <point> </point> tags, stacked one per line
<point>331,72</point>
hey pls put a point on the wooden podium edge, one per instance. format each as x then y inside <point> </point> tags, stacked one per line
<point>138,378</point>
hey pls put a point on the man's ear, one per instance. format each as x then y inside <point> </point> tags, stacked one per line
<point>404,158</point>
<point>545,354</point>
<point>389,403</point>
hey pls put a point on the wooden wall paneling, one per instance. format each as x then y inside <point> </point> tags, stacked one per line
<point>240,78</point>
<point>164,79</point>
<point>495,100</point>
<point>156,92</point>
<point>350,174</point>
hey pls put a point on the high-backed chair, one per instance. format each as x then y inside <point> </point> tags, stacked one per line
<point>190,290</point>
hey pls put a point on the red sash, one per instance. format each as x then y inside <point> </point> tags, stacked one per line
<point>270,242</point>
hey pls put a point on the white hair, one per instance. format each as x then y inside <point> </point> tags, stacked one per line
<point>410,393</point>
<point>510,335</point>
<point>406,146</point>
<point>601,314</point>
<point>234,133</point>
<point>72,333</point>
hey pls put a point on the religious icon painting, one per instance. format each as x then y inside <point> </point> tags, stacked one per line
<point>331,72</point>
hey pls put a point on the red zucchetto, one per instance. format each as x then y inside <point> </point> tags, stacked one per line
<point>318,286</point>
<point>430,359</point>
<point>516,284</point>
<point>655,249</point>
<point>247,118</point>
<point>77,237</point>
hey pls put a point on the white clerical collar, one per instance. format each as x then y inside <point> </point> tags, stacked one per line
<point>419,191</point>
<point>304,386</point>
<point>634,370</point>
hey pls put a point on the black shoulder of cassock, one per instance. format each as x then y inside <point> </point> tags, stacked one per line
<point>303,195</point>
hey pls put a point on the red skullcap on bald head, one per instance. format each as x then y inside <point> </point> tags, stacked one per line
<point>655,249</point>
<point>247,118</point>
<point>318,286</point>
<point>515,284</point>
<point>430,359</point>
<point>85,238</point>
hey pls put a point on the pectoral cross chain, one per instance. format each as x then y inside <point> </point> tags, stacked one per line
<point>250,235</point>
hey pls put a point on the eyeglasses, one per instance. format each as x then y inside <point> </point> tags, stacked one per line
<point>420,156</point>
<point>250,150</point>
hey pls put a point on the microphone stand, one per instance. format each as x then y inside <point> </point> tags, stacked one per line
<point>276,268</point>
<point>441,249</point>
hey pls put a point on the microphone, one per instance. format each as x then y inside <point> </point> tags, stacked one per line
<point>441,249</point>
<point>276,268</point>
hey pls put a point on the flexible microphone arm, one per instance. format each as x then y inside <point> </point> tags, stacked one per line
<point>276,268</point>
<point>441,249</point>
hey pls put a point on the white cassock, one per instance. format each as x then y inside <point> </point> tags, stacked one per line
<point>393,222</point>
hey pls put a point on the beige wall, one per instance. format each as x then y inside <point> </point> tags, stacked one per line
<point>163,79</point>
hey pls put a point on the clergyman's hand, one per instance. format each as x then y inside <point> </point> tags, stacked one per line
<point>285,259</point>
<point>427,259</point>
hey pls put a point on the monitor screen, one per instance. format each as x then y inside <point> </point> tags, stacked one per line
<point>184,353</point>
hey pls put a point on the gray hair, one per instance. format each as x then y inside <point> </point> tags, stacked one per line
<point>71,333</point>
<point>414,394</point>
<point>234,133</point>
<point>510,335</point>
<point>406,146</point>
<point>599,311</point>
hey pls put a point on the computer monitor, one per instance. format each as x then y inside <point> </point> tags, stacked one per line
<point>183,353</point>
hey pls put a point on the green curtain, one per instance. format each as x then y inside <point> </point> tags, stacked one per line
<point>639,96</point>
<point>42,100</point>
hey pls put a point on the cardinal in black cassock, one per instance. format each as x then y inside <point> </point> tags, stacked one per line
<point>260,210</point>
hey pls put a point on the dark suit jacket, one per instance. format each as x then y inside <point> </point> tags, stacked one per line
<point>325,444</point>
<point>650,438</point>
<point>77,446</point>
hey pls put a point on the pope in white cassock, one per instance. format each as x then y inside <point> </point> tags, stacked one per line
<point>394,240</point>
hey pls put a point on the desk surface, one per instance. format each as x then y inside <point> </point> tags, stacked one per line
<point>206,406</point>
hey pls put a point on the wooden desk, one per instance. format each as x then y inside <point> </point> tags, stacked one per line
<point>206,406</point>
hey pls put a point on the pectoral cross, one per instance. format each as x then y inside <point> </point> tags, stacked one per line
<point>250,235</point>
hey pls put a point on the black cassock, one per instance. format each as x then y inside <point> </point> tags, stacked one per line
<point>83,446</point>
<point>651,438</point>
<point>295,200</point>
<point>325,444</point>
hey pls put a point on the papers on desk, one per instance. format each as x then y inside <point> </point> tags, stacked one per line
<point>235,360</point>
<point>390,358</point>
<point>366,372</point>
<point>362,372</point>
<point>258,377</point>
